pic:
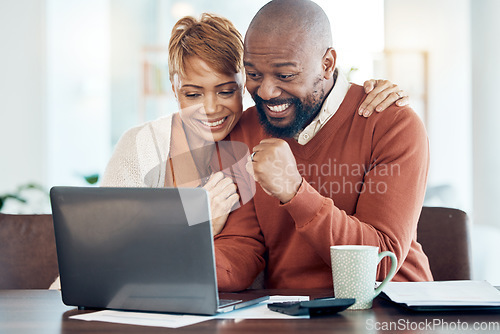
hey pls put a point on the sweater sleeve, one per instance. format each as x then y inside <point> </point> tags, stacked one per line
<point>239,250</point>
<point>389,203</point>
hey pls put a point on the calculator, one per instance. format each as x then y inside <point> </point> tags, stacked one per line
<point>314,308</point>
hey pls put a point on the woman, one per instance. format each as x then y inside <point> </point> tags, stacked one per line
<point>205,66</point>
<point>206,72</point>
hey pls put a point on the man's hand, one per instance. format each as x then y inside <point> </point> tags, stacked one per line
<point>274,167</point>
<point>381,94</point>
<point>223,195</point>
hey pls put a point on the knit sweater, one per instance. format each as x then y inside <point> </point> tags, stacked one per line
<point>363,183</point>
<point>140,156</point>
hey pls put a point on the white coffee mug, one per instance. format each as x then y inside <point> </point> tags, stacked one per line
<point>354,269</point>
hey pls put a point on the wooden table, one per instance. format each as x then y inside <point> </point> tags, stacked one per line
<point>42,311</point>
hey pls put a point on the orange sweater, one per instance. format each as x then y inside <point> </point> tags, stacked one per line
<point>363,183</point>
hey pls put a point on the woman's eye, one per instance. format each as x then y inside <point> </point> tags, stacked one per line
<point>192,95</point>
<point>227,93</point>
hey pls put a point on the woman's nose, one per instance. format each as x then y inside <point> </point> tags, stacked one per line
<point>210,104</point>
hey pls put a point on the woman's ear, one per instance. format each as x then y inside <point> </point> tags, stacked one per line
<point>243,88</point>
<point>175,92</point>
<point>242,81</point>
<point>174,79</point>
<point>329,61</point>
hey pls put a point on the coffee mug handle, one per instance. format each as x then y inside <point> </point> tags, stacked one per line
<point>390,275</point>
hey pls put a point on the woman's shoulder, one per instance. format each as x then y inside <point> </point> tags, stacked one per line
<point>158,128</point>
<point>159,123</point>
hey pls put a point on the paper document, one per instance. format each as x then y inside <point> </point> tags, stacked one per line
<point>142,318</point>
<point>443,293</point>
<point>259,311</point>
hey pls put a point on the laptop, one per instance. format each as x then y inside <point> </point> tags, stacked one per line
<point>141,249</point>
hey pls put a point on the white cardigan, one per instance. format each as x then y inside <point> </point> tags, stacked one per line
<point>140,156</point>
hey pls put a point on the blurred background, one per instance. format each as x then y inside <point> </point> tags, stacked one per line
<point>75,74</point>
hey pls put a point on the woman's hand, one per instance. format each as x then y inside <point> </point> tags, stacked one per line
<point>223,195</point>
<point>381,94</point>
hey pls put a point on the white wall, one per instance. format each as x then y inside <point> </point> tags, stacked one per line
<point>78,80</point>
<point>464,125</point>
<point>442,28</point>
<point>357,34</point>
<point>486,140</point>
<point>485,18</point>
<point>22,84</point>
<point>54,95</point>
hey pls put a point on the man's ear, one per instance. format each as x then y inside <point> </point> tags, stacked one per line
<point>329,61</point>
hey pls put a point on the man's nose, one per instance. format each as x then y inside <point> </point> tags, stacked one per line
<point>268,89</point>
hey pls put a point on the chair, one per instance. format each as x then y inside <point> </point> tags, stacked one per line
<point>28,257</point>
<point>444,234</point>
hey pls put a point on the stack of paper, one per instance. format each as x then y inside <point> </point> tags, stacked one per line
<point>444,294</point>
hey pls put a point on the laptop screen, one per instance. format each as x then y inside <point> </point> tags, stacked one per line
<point>135,248</point>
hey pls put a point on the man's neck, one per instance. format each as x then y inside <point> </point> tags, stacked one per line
<point>333,82</point>
<point>329,107</point>
<point>330,87</point>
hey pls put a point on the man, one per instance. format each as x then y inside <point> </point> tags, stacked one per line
<point>327,176</point>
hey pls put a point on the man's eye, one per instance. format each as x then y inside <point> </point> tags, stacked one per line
<point>286,77</point>
<point>253,76</point>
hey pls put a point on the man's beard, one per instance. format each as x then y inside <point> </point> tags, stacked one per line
<point>304,114</point>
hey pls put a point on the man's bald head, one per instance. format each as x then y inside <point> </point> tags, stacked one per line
<point>295,19</point>
<point>289,64</point>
